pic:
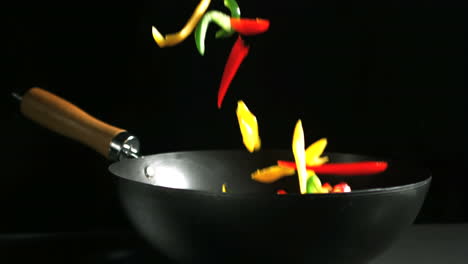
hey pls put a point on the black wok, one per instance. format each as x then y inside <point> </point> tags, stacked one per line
<point>176,203</point>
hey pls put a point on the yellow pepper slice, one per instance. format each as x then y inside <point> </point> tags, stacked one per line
<point>176,38</point>
<point>314,151</point>
<point>272,174</point>
<point>248,127</point>
<point>298,147</point>
<point>223,188</point>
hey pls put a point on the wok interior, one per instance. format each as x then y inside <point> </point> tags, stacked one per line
<point>209,170</point>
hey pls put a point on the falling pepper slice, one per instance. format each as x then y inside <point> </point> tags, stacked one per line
<point>326,186</point>
<point>314,185</point>
<point>223,188</point>
<point>235,13</point>
<point>281,192</point>
<point>248,126</point>
<point>244,26</point>
<point>271,174</point>
<point>341,187</point>
<point>298,147</point>
<point>219,18</point>
<point>250,26</point>
<point>238,53</point>
<point>314,151</point>
<point>175,38</point>
<point>348,168</point>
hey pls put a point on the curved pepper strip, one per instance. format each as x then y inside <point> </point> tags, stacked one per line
<point>344,169</point>
<point>249,127</point>
<point>223,188</point>
<point>235,12</point>
<point>244,26</point>
<point>219,18</point>
<point>238,53</point>
<point>250,26</point>
<point>271,174</point>
<point>176,38</point>
<point>298,148</point>
<point>314,151</point>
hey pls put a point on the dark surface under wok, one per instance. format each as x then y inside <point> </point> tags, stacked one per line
<point>425,243</point>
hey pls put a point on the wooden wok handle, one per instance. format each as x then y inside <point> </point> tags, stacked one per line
<point>66,119</point>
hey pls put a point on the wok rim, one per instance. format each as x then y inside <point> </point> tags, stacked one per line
<point>363,192</point>
<point>255,195</point>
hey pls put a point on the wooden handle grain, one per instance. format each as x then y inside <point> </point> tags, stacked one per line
<point>66,119</point>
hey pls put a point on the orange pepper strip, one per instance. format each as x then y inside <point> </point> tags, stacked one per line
<point>175,38</point>
<point>272,174</point>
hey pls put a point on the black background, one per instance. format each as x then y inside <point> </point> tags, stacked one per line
<point>374,77</point>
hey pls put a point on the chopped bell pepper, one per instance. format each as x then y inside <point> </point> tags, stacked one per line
<point>249,127</point>
<point>238,53</point>
<point>250,26</point>
<point>341,187</point>
<point>298,148</point>
<point>348,168</point>
<point>244,26</point>
<point>326,186</point>
<point>314,151</point>
<point>313,183</point>
<point>175,38</point>
<point>271,174</point>
<point>281,192</point>
<point>235,13</point>
<point>219,18</point>
<point>223,188</point>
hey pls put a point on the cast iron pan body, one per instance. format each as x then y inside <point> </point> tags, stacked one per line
<point>176,203</point>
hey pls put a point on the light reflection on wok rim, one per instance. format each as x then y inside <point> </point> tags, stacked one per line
<point>423,177</point>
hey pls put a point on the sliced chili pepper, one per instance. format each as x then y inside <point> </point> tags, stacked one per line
<point>351,168</point>
<point>341,187</point>
<point>176,38</point>
<point>271,174</point>
<point>299,156</point>
<point>235,13</point>
<point>238,53</point>
<point>281,192</point>
<point>250,26</point>
<point>249,127</point>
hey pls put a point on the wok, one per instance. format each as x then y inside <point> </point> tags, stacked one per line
<point>175,200</point>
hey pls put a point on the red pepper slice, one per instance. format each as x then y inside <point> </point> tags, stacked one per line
<point>341,187</point>
<point>351,168</point>
<point>238,53</point>
<point>281,192</point>
<point>250,26</point>
<point>327,187</point>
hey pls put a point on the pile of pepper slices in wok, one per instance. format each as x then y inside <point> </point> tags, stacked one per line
<point>307,161</point>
